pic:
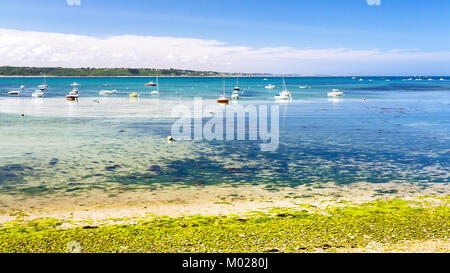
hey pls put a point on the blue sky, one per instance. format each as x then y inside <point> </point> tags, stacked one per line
<point>417,26</point>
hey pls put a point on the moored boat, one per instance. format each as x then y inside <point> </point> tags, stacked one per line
<point>13,92</point>
<point>107,92</point>
<point>285,94</point>
<point>335,93</point>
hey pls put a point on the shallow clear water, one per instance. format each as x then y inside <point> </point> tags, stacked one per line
<point>399,134</point>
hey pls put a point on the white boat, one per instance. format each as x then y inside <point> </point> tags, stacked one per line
<point>236,88</point>
<point>38,93</point>
<point>73,95</point>
<point>107,92</point>
<point>441,79</point>
<point>270,86</point>
<point>235,95</point>
<point>13,92</point>
<point>74,84</point>
<point>23,82</point>
<point>335,93</point>
<point>156,92</point>
<point>303,86</point>
<point>44,86</point>
<point>285,94</point>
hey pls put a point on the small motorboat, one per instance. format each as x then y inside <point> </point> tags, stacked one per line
<point>335,93</point>
<point>13,92</point>
<point>38,93</point>
<point>155,92</point>
<point>22,86</point>
<point>133,95</point>
<point>72,96</point>
<point>270,86</point>
<point>107,92</point>
<point>235,95</point>
<point>74,84</point>
<point>151,84</point>
<point>441,79</point>
<point>223,99</point>
<point>303,86</point>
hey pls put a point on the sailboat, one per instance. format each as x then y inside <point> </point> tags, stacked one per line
<point>285,94</point>
<point>223,98</point>
<point>156,92</point>
<point>23,82</point>
<point>43,86</point>
<point>39,93</point>
<point>235,94</point>
<point>151,83</point>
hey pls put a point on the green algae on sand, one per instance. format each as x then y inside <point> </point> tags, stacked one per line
<point>306,229</point>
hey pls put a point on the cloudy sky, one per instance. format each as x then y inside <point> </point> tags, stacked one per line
<point>302,37</point>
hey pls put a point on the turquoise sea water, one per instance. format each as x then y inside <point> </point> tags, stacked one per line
<point>399,134</point>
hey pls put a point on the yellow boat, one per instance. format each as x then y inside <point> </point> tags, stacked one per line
<point>134,95</point>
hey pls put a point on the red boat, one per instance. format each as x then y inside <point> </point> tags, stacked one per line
<point>223,99</point>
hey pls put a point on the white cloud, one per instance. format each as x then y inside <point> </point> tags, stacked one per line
<point>29,48</point>
<point>73,2</point>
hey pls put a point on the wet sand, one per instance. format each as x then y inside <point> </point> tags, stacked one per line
<point>102,207</point>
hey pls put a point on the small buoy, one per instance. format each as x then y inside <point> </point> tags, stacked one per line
<point>169,138</point>
<point>22,114</point>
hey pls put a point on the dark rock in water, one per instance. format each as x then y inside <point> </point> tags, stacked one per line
<point>122,131</point>
<point>199,183</point>
<point>177,179</point>
<point>155,168</point>
<point>53,162</point>
<point>89,227</point>
<point>272,251</point>
<point>132,177</point>
<point>99,174</point>
<point>112,168</point>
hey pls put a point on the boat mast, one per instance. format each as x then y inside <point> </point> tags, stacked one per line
<point>223,86</point>
<point>157,84</point>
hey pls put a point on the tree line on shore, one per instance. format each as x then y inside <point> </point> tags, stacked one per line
<point>88,71</point>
